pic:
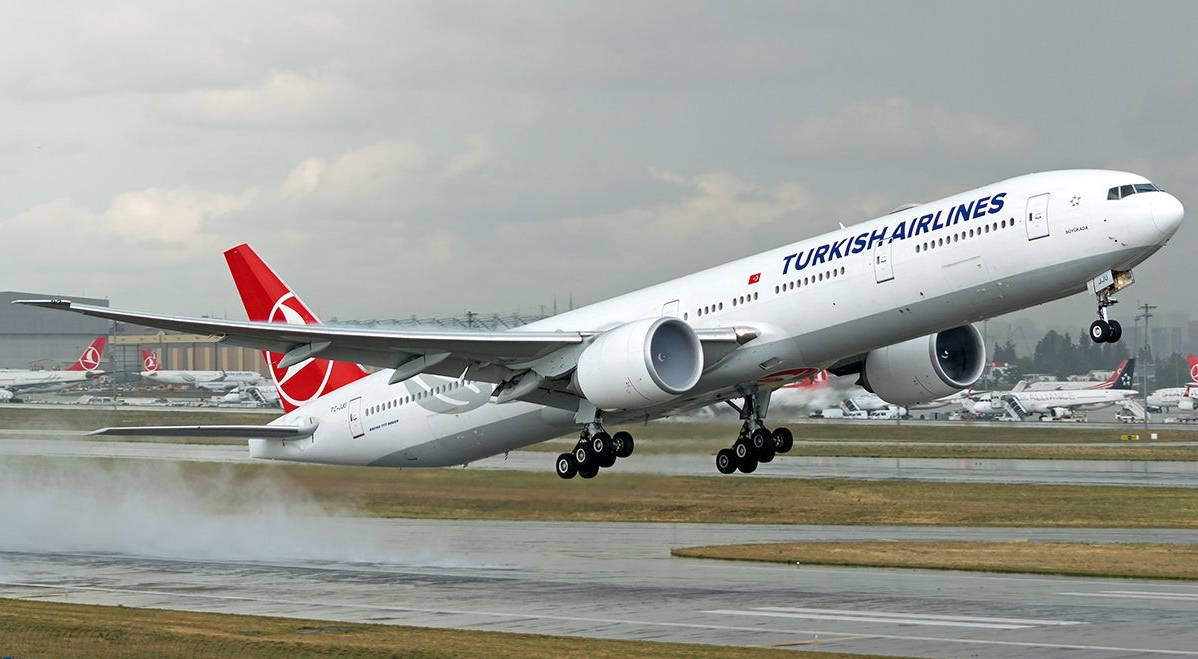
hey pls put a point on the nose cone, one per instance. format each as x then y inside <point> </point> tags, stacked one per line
<point>1167,212</point>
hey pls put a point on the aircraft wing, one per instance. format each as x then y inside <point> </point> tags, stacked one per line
<point>408,351</point>
<point>244,432</point>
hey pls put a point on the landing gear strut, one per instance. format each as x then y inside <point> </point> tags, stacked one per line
<point>1105,330</point>
<point>755,444</point>
<point>595,450</point>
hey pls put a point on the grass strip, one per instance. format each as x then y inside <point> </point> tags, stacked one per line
<point>1132,560</point>
<point>39,628</point>
<point>725,431</point>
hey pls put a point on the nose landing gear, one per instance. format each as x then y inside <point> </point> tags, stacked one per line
<point>1105,330</point>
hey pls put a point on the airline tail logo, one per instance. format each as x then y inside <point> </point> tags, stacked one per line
<point>1193,362</point>
<point>90,359</point>
<point>149,361</point>
<point>267,298</point>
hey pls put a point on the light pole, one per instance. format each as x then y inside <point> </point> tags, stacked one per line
<point>1148,360</point>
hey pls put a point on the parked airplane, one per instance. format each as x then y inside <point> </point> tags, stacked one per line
<point>1058,404</point>
<point>1181,398</point>
<point>14,380</point>
<point>891,299</point>
<point>211,380</point>
<point>1122,378</point>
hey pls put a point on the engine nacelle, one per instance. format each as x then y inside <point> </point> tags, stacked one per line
<point>640,364</point>
<point>924,369</point>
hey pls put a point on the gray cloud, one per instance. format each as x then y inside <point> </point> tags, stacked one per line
<point>427,157</point>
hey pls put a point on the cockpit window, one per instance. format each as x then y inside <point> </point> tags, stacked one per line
<point>1121,191</point>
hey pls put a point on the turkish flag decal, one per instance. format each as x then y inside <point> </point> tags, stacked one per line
<point>754,278</point>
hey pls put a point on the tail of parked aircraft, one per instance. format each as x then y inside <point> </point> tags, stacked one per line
<point>90,359</point>
<point>149,361</point>
<point>1193,362</point>
<point>268,299</point>
<point>1122,378</point>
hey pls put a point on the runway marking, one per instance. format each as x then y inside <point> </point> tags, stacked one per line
<point>1140,595</point>
<point>643,623</point>
<point>892,618</point>
<point>927,616</point>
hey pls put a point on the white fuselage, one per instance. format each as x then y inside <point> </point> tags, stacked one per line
<point>215,380</point>
<point>813,304</point>
<point>1050,402</point>
<point>1173,397</point>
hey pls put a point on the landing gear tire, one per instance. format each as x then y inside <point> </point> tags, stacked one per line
<point>1100,331</point>
<point>1116,331</point>
<point>742,450</point>
<point>763,445</point>
<point>622,441</point>
<point>589,471</point>
<point>600,444</point>
<point>725,461</point>
<point>583,457</point>
<point>566,466</point>
<point>747,466</point>
<point>607,459</point>
<point>784,440</point>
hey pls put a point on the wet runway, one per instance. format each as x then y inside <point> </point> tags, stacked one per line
<point>957,470</point>
<point>617,581</point>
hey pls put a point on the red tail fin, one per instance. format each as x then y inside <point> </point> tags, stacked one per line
<point>149,361</point>
<point>1193,362</point>
<point>90,359</point>
<point>268,299</point>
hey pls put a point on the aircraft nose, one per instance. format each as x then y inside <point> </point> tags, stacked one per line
<point>1167,212</point>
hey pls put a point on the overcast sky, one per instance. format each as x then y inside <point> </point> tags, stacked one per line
<point>399,158</point>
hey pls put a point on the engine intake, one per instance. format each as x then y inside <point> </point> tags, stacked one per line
<point>924,369</point>
<point>640,364</point>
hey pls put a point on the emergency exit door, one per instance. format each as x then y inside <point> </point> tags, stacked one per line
<point>355,418</point>
<point>883,268</point>
<point>1037,216</point>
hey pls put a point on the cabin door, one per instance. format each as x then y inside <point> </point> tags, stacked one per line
<point>355,418</point>
<point>1037,216</point>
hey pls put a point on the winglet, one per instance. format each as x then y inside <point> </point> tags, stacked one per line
<point>54,303</point>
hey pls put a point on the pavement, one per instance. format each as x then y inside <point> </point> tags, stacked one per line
<point>617,580</point>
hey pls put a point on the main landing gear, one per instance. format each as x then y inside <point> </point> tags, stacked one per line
<point>1105,330</point>
<point>755,444</point>
<point>595,450</point>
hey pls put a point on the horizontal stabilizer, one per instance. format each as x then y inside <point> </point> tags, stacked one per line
<point>243,432</point>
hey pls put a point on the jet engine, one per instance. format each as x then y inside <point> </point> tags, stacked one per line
<point>640,364</point>
<point>924,369</point>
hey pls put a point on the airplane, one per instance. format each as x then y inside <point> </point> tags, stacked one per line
<point>1122,378</point>
<point>15,380</point>
<point>892,300</point>
<point>211,380</point>
<point>1056,403</point>
<point>1182,398</point>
